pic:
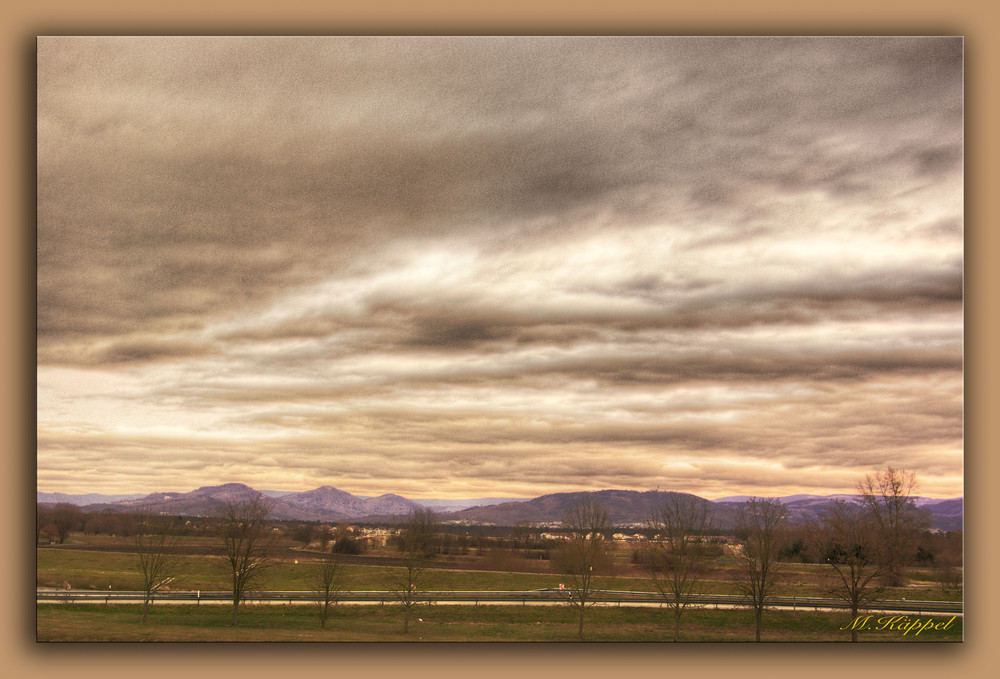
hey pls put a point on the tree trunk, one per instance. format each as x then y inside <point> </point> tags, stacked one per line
<point>580,631</point>
<point>677,623</point>
<point>145,609</point>
<point>236,600</point>
<point>757,613</point>
<point>406,620</point>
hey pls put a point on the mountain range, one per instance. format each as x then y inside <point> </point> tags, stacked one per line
<point>330,504</point>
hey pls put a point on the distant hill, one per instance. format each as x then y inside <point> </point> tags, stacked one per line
<point>330,504</point>
<point>635,507</point>
<point>458,505</point>
<point>945,514</point>
<point>321,504</point>
<point>624,506</point>
<point>201,501</point>
<point>785,499</point>
<point>87,499</point>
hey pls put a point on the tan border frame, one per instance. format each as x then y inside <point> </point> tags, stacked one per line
<point>26,19</point>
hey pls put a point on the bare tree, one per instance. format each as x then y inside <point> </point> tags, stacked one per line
<point>43,517</point>
<point>850,544</point>
<point>416,542</point>
<point>66,518</point>
<point>677,550</point>
<point>887,496</point>
<point>247,542</point>
<point>949,572</point>
<point>758,522</point>
<point>522,533</point>
<point>156,548</point>
<point>329,584</point>
<point>304,533</point>
<point>581,556</point>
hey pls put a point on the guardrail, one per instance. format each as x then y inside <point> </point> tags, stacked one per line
<point>607,597</point>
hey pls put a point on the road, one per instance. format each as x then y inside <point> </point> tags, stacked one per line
<point>521,598</point>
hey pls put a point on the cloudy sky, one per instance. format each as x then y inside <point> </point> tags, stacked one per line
<point>467,267</point>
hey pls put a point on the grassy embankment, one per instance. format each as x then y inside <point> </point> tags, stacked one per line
<point>281,623</point>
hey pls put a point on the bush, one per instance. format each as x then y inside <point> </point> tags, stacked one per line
<point>346,545</point>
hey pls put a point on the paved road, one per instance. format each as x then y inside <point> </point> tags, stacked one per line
<point>522,598</point>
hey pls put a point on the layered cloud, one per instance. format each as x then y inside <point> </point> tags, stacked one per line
<point>509,266</point>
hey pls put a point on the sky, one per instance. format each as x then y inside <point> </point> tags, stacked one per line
<point>498,266</point>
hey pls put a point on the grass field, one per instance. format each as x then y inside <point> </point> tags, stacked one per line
<point>279,623</point>
<point>97,570</point>
<point>100,563</point>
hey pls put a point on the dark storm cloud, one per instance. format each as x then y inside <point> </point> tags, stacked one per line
<point>268,198</point>
<point>145,351</point>
<point>269,255</point>
<point>265,158</point>
<point>766,368</point>
<point>462,323</point>
<point>879,418</point>
<point>612,372</point>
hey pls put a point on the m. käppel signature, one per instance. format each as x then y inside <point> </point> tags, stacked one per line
<point>898,623</point>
